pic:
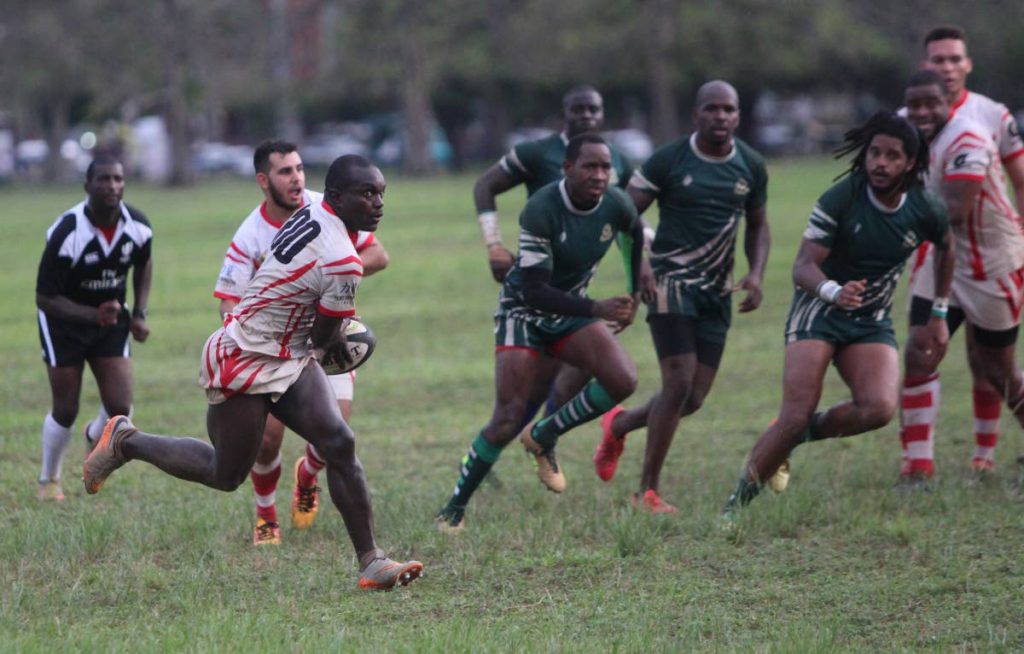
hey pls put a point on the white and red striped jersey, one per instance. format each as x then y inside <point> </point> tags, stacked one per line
<point>990,243</point>
<point>997,121</point>
<point>249,246</point>
<point>311,266</point>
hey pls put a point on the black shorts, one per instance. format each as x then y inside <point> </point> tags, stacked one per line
<point>674,334</point>
<point>67,343</point>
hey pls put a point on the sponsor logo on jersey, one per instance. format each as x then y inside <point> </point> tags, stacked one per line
<point>960,160</point>
<point>109,280</point>
<point>910,240</point>
<point>91,258</point>
<point>688,180</point>
<point>606,233</point>
<point>741,188</point>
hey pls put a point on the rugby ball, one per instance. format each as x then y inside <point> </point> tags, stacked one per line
<point>361,343</point>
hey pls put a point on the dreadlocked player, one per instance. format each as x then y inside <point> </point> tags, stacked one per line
<point>856,243</point>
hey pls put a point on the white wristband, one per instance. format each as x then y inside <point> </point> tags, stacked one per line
<point>489,227</point>
<point>648,237</point>
<point>829,290</point>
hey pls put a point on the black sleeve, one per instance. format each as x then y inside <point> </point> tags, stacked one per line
<point>51,279</point>
<point>539,294</point>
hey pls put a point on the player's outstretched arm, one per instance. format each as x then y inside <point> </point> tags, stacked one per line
<point>142,282</point>
<point>492,183</point>
<point>756,243</point>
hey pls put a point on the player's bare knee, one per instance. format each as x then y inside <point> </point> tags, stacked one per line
<point>622,389</point>
<point>65,413</point>
<point>878,413</point>
<point>506,420</point>
<point>340,445</point>
<point>693,404</point>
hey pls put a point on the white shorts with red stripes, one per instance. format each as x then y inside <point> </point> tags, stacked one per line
<point>226,370</point>
<point>993,304</point>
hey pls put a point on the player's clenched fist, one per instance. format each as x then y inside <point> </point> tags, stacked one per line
<point>107,313</point>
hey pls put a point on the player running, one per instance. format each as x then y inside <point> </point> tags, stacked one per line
<point>80,293</point>
<point>262,361</point>
<point>856,244</point>
<point>282,178</point>
<point>537,164</point>
<point>988,284</point>
<point>565,230</point>
<point>946,54</point>
<point>705,185</point>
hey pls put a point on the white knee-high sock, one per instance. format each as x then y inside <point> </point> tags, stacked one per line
<point>94,429</point>
<point>55,441</point>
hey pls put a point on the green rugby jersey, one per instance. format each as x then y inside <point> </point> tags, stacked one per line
<point>701,201</point>
<point>867,240</point>
<point>556,236</point>
<point>538,163</point>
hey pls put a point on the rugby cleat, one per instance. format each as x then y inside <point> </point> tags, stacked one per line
<point>780,480</point>
<point>981,466</point>
<point>266,533</point>
<point>650,502</point>
<point>383,573</point>
<point>548,470</point>
<point>49,490</point>
<point>606,456</point>
<point>108,455</point>
<point>305,501</point>
<point>451,520</point>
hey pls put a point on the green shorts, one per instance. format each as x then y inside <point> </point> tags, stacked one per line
<point>534,330</point>
<point>813,319</point>
<point>710,310</point>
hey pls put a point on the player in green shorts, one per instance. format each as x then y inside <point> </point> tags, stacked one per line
<point>565,230</point>
<point>855,246</point>
<point>537,164</point>
<point>706,185</point>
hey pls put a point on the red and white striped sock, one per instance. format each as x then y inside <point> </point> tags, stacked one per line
<point>987,405</point>
<point>919,407</point>
<point>264,482</point>
<point>310,467</point>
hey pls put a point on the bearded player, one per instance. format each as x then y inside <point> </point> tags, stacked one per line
<point>858,238</point>
<point>282,178</point>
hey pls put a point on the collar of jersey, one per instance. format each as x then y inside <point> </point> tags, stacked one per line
<point>107,246</point>
<point>881,207</point>
<point>266,216</point>
<point>570,206</point>
<point>962,102</point>
<point>707,157</point>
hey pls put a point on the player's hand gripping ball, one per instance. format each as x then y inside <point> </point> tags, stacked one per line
<point>359,343</point>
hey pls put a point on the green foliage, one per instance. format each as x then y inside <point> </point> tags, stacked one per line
<point>838,562</point>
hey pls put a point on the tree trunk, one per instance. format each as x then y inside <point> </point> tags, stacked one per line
<point>665,122</point>
<point>175,107</point>
<point>417,115</point>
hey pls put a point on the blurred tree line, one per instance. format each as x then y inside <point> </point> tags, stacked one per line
<point>244,69</point>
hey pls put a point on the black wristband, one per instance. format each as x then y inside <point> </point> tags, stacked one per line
<point>139,313</point>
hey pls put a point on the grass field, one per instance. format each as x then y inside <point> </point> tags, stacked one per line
<point>839,562</point>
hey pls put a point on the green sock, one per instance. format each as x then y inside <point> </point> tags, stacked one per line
<point>475,466</point>
<point>745,491</point>
<point>811,434</point>
<point>588,404</point>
